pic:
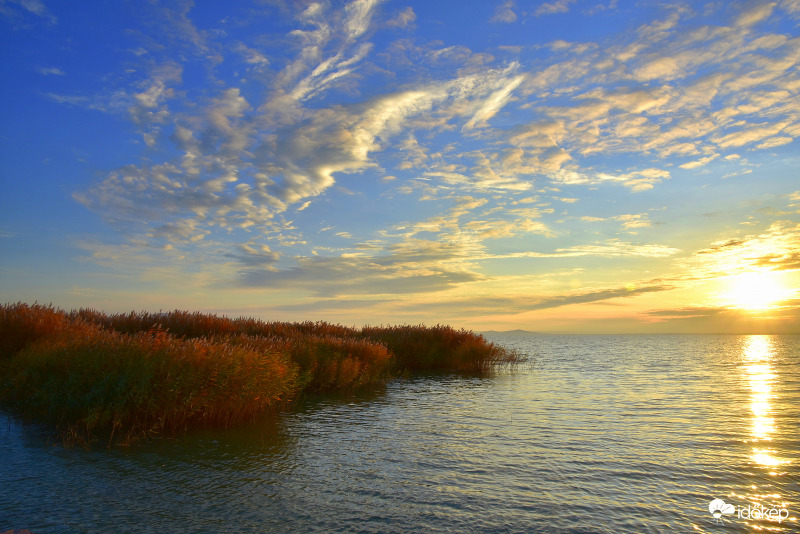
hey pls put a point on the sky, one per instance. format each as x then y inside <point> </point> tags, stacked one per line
<point>602,166</point>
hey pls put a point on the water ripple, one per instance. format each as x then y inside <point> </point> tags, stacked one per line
<point>603,434</point>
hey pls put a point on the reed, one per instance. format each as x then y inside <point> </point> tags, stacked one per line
<point>440,348</point>
<point>334,364</point>
<point>22,323</point>
<point>90,381</point>
<point>127,376</point>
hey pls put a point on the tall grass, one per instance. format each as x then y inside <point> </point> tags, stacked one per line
<point>90,381</point>
<point>421,348</point>
<point>21,324</point>
<point>127,376</point>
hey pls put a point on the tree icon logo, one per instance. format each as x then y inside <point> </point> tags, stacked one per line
<point>718,508</point>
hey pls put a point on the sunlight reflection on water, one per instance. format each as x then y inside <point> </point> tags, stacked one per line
<point>757,354</point>
<point>764,384</point>
<point>603,434</point>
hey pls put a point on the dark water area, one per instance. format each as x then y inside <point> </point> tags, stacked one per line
<point>600,434</point>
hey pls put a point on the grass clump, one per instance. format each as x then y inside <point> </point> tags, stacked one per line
<point>127,376</point>
<point>21,324</point>
<point>89,381</point>
<point>329,363</point>
<point>439,348</point>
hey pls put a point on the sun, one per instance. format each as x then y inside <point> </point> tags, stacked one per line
<point>758,290</point>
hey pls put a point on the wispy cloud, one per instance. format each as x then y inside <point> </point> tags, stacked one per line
<point>705,319</point>
<point>50,71</point>
<point>629,221</point>
<point>595,296</point>
<point>18,9</point>
<point>393,274</point>
<point>445,141</point>
<point>775,249</point>
<point>403,19</point>
<point>550,8</point>
<point>505,12</point>
<point>514,304</point>
<point>641,180</point>
<point>494,103</point>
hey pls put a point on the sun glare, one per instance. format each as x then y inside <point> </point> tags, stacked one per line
<point>755,291</point>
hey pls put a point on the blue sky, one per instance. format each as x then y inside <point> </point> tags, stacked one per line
<point>602,166</point>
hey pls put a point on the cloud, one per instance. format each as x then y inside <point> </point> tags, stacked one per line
<point>755,15</point>
<point>775,142</point>
<point>145,102</point>
<point>50,71</point>
<point>330,52</point>
<point>482,180</point>
<point>504,12</point>
<point>117,102</point>
<point>180,230</point>
<point>698,163</point>
<point>340,140</point>
<point>173,22</point>
<point>330,102</point>
<point>636,181</point>
<point>612,5</point>
<point>615,247</point>
<point>359,14</point>
<point>254,255</point>
<point>610,248</point>
<point>775,249</point>
<point>751,134</point>
<point>513,304</point>
<point>709,319</point>
<point>326,306</point>
<point>146,105</point>
<point>391,274</point>
<point>158,196</point>
<point>659,68</point>
<point>163,268</point>
<point>689,89</point>
<point>18,9</point>
<point>225,130</point>
<point>791,6</point>
<point>252,56</point>
<point>403,19</point>
<point>634,221</point>
<point>572,118</point>
<point>465,228</point>
<point>595,296</point>
<point>494,103</point>
<point>551,8</point>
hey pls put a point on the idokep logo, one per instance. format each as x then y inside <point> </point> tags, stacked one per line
<point>718,508</point>
<point>760,512</point>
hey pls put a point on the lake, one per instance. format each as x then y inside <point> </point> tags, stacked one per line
<point>599,434</point>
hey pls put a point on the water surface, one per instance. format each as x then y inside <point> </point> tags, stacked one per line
<point>602,434</point>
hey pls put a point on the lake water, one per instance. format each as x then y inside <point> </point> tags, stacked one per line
<point>602,434</point>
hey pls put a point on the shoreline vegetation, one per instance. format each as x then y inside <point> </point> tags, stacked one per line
<point>125,377</point>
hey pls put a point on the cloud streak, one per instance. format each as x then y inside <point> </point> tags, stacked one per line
<point>343,152</point>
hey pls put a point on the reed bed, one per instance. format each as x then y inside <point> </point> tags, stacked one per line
<point>439,348</point>
<point>122,377</point>
<point>91,381</point>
